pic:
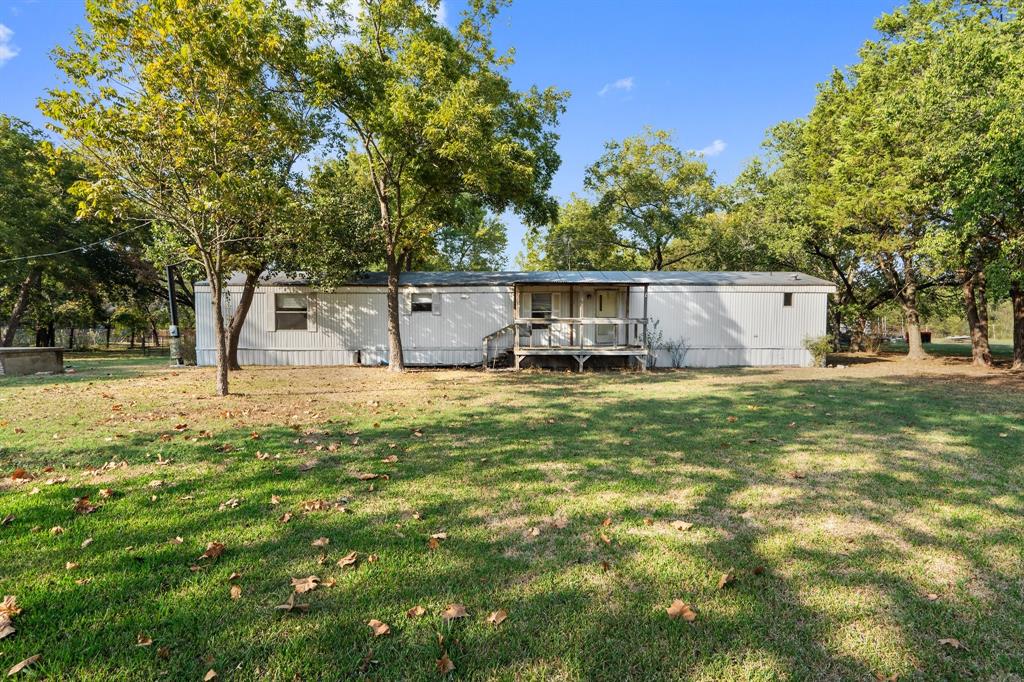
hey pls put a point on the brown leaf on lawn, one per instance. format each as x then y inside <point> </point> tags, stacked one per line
<point>418,516</point>
<point>18,667</point>
<point>7,519</point>
<point>210,674</point>
<point>380,628</point>
<point>797,474</point>
<point>83,506</point>
<point>106,492</point>
<point>155,483</point>
<point>758,570</point>
<point>213,550</point>
<point>236,591</point>
<point>70,566</point>
<point>726,579</point>
<point>143,639</point>
<point>932,596</point>
<point>952,643</point>
<point>289,605</point>
<point>348,560</point>
<point>533,532</point>
<point>230,504</point>
<point>286,517</point>
<point>321,542</point>
<point>605,539</point>
<point>275,500</point>
<point>445,665</point>
<point>415,612</point>
<point>682,525</point>
<point>86,542</point>
<point>6,629</point>
<point>254,435</point>
<point>20,474</point>
<point>390,459</point>
<point>560,522</point>
<point>680,609</point>
<point>306,466</point>
<point>440,536</point>
<point>606,566</point>
<point>370,477</point>
<point>433,543</point>
<point>607,521</point>
<point>180,427</point>
<point>163,652</point>
<point>648,521</point>
<point>498,617</point>
<point>9,606</point>
<point>176,540</point>
<point>417,433</point>
<point>308,584</point>
<point>235,575</point>
<point>56,530</point>
<point>372,558</point>
<point>453,611</point>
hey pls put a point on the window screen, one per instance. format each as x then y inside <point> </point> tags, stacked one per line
<point>290,311</point>
<point>540,305</point>
<point>787,299</point>
<point>422,303</point>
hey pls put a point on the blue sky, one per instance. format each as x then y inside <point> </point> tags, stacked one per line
<point>718,74</point>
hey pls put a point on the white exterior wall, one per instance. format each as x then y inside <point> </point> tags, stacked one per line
<point>735,326</point>
<point>353,321</point>
<point>720,325</point>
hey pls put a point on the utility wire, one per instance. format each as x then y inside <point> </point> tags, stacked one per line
<point>80,247</point>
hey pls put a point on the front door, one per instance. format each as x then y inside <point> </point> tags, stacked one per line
<point>607,306</point>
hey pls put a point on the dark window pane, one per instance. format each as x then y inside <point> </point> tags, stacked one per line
<point>787,299</point>
<point>291,320</point>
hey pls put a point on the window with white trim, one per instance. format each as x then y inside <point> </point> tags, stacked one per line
<point>421,303</point>
<point>291,311</point>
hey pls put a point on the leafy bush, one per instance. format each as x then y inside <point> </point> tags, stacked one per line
<point>819,347</point>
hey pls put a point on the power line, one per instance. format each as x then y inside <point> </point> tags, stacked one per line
<point>80,247</point>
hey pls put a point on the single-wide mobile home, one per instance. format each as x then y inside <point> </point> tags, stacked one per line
<point>694,319</point>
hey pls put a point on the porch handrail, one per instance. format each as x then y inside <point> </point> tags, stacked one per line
<point>581,320</point>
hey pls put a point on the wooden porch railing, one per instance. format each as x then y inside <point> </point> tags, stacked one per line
<point>580,332</point>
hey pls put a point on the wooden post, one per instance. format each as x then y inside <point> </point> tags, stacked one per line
<point>645,325</point>
<point>625,327</point>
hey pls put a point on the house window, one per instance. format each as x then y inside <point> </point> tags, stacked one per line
<point>290,311</point>
<point>422,303</point>
<point>787,299</point>
<point>540,307</point>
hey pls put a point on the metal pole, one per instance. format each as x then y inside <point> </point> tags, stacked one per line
<point>174,342</point>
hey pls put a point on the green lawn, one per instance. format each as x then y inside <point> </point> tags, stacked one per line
<point>867,513</point>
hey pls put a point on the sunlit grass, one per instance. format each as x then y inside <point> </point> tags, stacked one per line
<point>841,499</point>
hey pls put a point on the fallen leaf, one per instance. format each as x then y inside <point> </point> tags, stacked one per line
<point>143,639</point>
<point>155,484</point>
<point>952,643</point>
<point>106,492</point>
<point>726,579</point>
<point>70,566</point>
<point>213,550</point>
<point>6,629</point>
<point>9,606</point>
<point>680,609</point>
<point>605,539</point>
<point>682,525</point>
<point>7,519</point>
<point>797,474</point>
<point>453,611</point>
<point>390,459</point>
<point>758,570</point>
<point>533,532</point>
<point>348,560</point>
<point>286,517</point>
<point>18,667</point>
<point>607,521</point>
<point>560,522</point>
<point>380,628</point>
<point>86,542</point>
<point>498,617</point>
<point>440,536</point>
<point>308,584</point>
<point>932,596</point>
<point>20,474</point>
<point>176,540</point>
<point>275,500</point>
<point>83,506</point>
<point>163,652</point>
<point>432,543</point>
<point>415,612</point>
<point>605,566</point>
<point>230,504</point>
<point>210,674</point>
<point>445,665</point>
<point>321,542</point>
<point>648,521</point>
<point>370,477</point>
<point>56,530</point>
<point>289,605</point>
<point>235,575</point>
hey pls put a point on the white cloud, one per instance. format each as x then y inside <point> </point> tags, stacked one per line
<point>621,84</point>
<point>442,14</point>
<point>713,149</point>
<point>7,51</point>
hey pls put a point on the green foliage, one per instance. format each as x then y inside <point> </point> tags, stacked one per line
<point>580,239</point>
<point>819,348</point>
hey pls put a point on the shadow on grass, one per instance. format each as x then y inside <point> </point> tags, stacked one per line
<point>888,472</point>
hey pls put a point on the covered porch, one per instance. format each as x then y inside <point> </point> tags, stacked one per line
<point>580,321</point>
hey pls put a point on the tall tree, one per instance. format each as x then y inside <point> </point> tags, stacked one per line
<point>434,119</point>
<point>176,108</point>
<point>653,195</point>
<point>582,238</point>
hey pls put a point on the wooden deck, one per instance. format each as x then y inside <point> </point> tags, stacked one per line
<point>582,354</point>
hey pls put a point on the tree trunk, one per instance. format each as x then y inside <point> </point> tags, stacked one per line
<point>396,363</point>
<point>156,334</point>
<point>109,328</point>
<point>238,317</point>
<point>219,335</point>
<point>51,334</point>
<point>908,301</point>
<point>20,305</point>
<point>71,338</point>
<point>976,307</point>
<point>1017,297</point>
<point>131,340</point>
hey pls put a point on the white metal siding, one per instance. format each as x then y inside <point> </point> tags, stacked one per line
<point>721,325</point>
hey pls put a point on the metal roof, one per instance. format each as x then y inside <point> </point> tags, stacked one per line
<point>584,277</point>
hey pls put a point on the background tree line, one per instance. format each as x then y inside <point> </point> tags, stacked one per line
<point>904,185</point>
